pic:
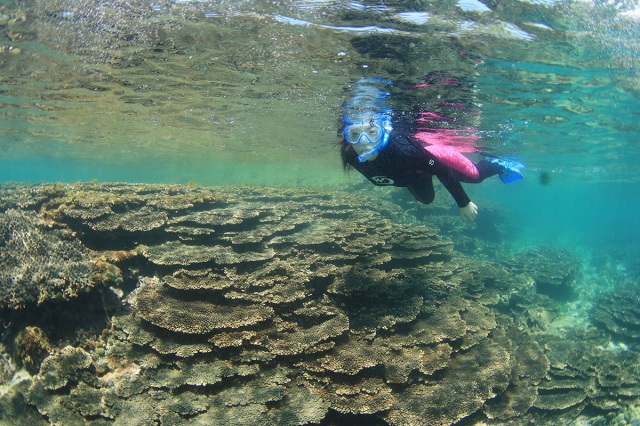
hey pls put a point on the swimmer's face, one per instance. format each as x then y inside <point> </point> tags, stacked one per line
<point>364,136</point>
<point>369,133</point>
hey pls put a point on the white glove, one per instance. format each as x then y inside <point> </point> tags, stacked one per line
<point>469,212</point>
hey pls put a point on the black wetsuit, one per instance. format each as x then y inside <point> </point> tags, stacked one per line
<point>404,162</point>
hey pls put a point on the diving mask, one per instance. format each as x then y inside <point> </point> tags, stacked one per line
<point>371,132</point>
<point>360,132</point>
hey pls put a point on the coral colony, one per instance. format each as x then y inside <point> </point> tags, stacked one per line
<point>149,304</point>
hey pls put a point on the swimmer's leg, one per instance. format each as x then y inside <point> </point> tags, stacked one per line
<point>510,169</point>
<point>487,168</point>
<point>423,190</point>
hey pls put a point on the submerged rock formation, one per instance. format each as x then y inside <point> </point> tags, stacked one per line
<point>277,306</point>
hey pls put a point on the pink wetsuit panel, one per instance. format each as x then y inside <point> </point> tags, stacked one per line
<point>454,159</point>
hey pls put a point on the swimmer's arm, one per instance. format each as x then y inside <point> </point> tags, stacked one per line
<point>454,187</point>
<point>468,210</point>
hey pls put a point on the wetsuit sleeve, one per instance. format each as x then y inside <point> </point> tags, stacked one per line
<point>454,187</point>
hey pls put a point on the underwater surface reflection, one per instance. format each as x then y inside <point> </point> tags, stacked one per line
<point>237,275</point>
<point>263,81</point>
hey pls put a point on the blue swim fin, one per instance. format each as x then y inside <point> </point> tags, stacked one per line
<point>511,171</point>
<point>510,175</point>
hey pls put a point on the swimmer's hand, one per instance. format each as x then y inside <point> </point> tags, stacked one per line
<point>469,212</point>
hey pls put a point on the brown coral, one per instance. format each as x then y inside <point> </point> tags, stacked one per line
<point>39,263</point>
<point>555,271</point>
<point>156,304</point>
<point>618,313</point>
<point>31,347</point>
<point>279,306</point>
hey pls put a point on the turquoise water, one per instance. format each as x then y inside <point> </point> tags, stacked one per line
<point>250,92</point>
<point>226,93</point>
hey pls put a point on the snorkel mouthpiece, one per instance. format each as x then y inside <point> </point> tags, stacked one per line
<point>365,156</point>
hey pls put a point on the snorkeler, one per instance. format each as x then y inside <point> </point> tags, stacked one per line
<point>387,151</point>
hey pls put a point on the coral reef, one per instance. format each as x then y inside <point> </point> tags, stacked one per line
<point>555,271</point>
<point>585,369</point>
<point>287,307</point>
<point>629,416</point>
<point>39,261</point>
<point>32,346</point>
<point>618,313</point>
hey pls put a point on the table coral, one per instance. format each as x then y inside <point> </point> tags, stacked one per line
<point>290,306</point>
<point>618,312</point>
<point>156,304</point>
<point>555,271</point>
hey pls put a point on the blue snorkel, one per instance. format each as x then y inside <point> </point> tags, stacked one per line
<point>368,106</point>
